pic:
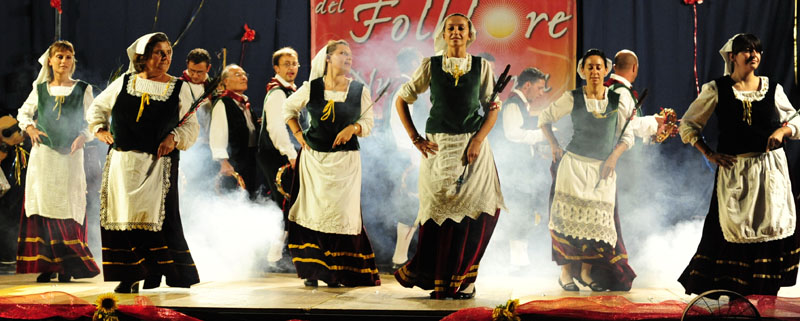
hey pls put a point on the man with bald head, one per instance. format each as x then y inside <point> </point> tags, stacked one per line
<point>626,68</point>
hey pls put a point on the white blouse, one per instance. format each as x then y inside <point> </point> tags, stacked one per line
<point>297,101</point>
<point>99,113</point>
<point>29,107</point>
<point>421,79</point>
<point>703,106</point>
<point>563,106</point>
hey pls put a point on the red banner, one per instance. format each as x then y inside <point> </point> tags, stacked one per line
<point>539,34</point>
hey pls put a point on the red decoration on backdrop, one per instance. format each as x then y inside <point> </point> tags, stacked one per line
<point>692,1</point>
<point>249,34</point>
<point>540,34</point>
<point>56,4</point>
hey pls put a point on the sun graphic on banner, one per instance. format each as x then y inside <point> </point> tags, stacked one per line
<point>500,26</point>
<point>500,22</point>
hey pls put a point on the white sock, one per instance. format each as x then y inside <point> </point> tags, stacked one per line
<point>404,235</point>
<point>276,249</point>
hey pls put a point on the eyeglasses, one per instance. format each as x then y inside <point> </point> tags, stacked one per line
<point>241,74</point>
<point>290,65</point>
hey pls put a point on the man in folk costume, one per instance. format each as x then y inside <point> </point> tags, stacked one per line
<point>198,64</point>
<point>232,136</point>
<point>140,219</point>
<point>52,235</point>
<point>460,197</point>
<point>513,138</point>
<point>275,148</point>
<point>626,69</point>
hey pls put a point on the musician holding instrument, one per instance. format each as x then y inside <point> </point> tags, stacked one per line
<point>459,190</point>
<point>584,222</point>
<point>325,209</point>
<point>140,221</point>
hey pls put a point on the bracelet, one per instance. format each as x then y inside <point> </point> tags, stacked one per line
<point>358,128</point>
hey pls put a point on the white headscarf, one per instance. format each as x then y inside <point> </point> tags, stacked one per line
<point>440,44</point>
<point>137,48</point>
<point>42,77</point>
<point>724,51</point>
<point>609,63</point>
<point>318,64</point>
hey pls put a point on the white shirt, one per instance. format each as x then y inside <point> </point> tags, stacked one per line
<point>218,131</point>
<point>563,106</point>
<point>273,115</point>
<point>99,113</point>
<point>203,111</point>
<point>513,120</point>
<point>703,106</point>
<point>644,127</point>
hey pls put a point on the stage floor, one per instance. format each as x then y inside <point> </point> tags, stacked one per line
<point>283,295</point>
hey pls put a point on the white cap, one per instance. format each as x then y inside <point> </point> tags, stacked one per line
<point>440,45</point>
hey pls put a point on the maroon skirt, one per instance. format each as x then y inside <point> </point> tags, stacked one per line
<point>756,268</point>
<point>448,256</point>
<point>609,263</point>
<point>333,258</point>
<point>55,246</point>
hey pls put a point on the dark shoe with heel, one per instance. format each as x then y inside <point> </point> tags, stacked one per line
<point>571,287</point>
<point>152,282</point>
<point>464,295</point>
<point>127,287</point>
<point>311,283</point>
<point>44,277</point>
<point>64,278</point>
<point>596,287</point>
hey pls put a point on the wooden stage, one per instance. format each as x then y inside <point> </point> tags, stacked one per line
<point>277,296</point>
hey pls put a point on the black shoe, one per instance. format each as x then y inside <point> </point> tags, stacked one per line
<point>127,287</point>
<point>44,277</point>
<point>571,287</point>
<point>311,283</point>
<point>596,287</point>
<point>464,295</point>
<point>152,282</point>
<point>334,285</point>
<point>63,277</point>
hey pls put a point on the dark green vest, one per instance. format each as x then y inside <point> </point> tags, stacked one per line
<point>321,134</point>
<point>454,108</point>
<point>616,85</point>
<point>593,137</point>
<point>64,122</point>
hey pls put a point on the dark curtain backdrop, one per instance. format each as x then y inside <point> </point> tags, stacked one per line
<point>102,30</point>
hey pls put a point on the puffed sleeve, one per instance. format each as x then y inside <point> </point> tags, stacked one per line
<point>419,83</point>
<point>366,120</point>
<point>88,98</point>
<point>487,84</point>
<point>296,102</point>
<point>26,112</point>
<point>698,114</point>
<point>186,134</point>
<point>557,109</point>
<point>786,111</point>
<point>99,111</point>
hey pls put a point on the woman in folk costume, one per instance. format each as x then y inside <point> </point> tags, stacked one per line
<point>749,243</point>
<point>459,192</point>
<point>584,222</point>
<point>53,231</point>
<point>140,219</point>
<point>327,239</point>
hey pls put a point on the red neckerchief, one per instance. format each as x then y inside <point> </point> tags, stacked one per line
<point>274,82</point>
<point>185,77</point>
<point>612,81</point>
<point>237,98</point>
